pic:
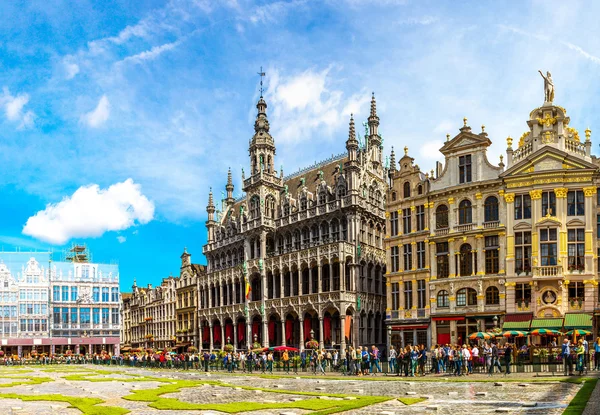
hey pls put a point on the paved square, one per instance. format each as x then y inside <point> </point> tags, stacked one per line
<point>101,390</point>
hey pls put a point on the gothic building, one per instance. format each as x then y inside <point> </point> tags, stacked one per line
<point>299,255</point>
<point>510,248</point>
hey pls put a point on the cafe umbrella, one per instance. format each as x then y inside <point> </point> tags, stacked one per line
<point>514,333</point>
<point>578,332</point>
<point>480,335</point>
<point>545,332</point>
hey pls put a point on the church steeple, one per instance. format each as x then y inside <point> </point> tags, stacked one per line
<point>352,142</point>
<point>229,188</point>
<point>262,145</point>
<point>210,223</point>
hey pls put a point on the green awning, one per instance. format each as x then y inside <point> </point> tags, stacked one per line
<point>578,321</point>
<point>547,323</point>
<point>515,325</point>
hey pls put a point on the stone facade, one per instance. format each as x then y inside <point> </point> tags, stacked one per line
<point>299,254</point>
<point>510,244</point>
<point>52,307</point>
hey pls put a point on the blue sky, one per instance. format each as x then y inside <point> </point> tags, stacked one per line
<point>116,117</point>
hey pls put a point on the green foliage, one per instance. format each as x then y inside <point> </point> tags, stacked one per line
<point>577,405</point>
<point>25,381</point>
<point>411,401</point>
<point>87,406</point>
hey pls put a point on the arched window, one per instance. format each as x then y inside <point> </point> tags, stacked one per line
<point>314,233</point>
<point>466,260</point>
<point>325,231</point>
<point>464,212</point>
<point>254,207</point>
<point>393,196</point>
<point>296,239</point>
<point>406,190</point>
<point>270,207</point>
<point>303,203</point>
<point>466,296</point>
<point>341,191</point>
<point>322,197</point>
<point>441,217</point>
<point>286,208</point>
<point>305,236</point>
<point>491,209</point>
<point>420,189</point>
<point>442,299</point>
<point>492,296</point>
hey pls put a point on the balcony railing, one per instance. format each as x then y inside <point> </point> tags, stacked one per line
<point>492,224</point>
<point>464,228</point>
<point>548,271</point>
<point>442,231</point>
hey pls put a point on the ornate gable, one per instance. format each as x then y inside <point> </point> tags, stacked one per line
<point>549,159</point>
<point>465,140</point>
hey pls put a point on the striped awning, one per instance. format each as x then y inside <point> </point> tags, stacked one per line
<point>578,321</point>
<point>547,323</point>
<point>520,321</point>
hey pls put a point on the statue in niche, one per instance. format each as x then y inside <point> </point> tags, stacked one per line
<point>548,87</point>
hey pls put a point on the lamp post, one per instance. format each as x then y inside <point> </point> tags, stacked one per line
<point>495,320</point>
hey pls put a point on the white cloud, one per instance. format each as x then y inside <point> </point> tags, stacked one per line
<point>90,212</point>
<point>98,115</point>
<point>430,149</point>
<point>121,239</point>
<point>151,54</point>
<point>419,21</point>
<point>305,104</point>
<point>14,108</point>
<point>71,69</point>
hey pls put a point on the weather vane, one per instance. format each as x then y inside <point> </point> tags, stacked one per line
<point>261,74</point>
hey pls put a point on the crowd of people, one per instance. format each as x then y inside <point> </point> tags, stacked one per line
<point>410,361</point>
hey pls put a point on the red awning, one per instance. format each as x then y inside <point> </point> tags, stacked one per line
<point>518,317</point>
<point>400,328</point>
<point>454,318</point>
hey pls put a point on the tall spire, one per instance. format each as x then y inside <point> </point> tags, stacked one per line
<point>210,208</point>
<point>392,161</point>
<point>374,122</point>
<point>373,106</point>
<point>229,188</point>
<point>352,131</point>
<point>352,142</point>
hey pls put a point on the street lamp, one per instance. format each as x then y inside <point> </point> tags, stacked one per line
<point>495,320</point>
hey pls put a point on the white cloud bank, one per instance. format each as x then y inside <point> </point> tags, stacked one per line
<point>90,212</point>
<point>14,108</point>
<point>98,115</point>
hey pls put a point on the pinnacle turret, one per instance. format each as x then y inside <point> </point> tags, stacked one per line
<point>229,188</point>
<point>392,161</point>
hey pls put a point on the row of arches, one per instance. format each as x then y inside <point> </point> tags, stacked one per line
<point>330,329</point>
<point>465,212</point>
<point>468,297</point>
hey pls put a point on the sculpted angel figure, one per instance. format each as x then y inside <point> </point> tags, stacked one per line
<point>548,86</point>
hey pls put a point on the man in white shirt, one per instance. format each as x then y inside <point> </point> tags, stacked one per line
<point>467,363</point>
<point>475,355</point>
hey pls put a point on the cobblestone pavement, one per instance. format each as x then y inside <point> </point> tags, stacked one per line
<point>444,396</point>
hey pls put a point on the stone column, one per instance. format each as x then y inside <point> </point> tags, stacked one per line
<point>343,339</point>
<point>283,332</point>
<point>310,280</point>
<point>536,212</point>
<point>265,332</point>
<point>301,320</point>
<point>590,193</point>
<point>330,276</point>
<point>561,215</point>
<point>453,272</point>
<point>235,336</point>
<point>453,334</point>
<point>223,339</point>
<point>342,275</point>
<point>432,261</point>
<point>319,278</point>
<point>479,241</point>
<point>452,211</point>
<point>249,339</point>
<point>509,198</point>
<point>321,337</point>
<point>210,326</point>
<point>478,217</point>
<point>234,291</point>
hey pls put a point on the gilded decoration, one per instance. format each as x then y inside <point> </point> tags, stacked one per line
<point>561,192</point>
<point>588,134</point>
<point>509,141</point>
<point>573,134</point>
<point>548,137</point>
<point>535,194</point>
<point>523,137</point>
<point>548,120</point>
<point>451,200</point>
<point>589,191</point>
<point>478,196</point>
<point>509,197</point>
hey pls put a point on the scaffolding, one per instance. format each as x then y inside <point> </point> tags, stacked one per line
<point>77,253</point>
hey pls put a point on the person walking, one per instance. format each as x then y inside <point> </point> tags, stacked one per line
<point>286,361</point>
<point>597,354</point>
<point>508,351</point>
<point>494,358</point>
<point>392,360</point>
<point>375,361</point>
<point>580,355</point>
<point>567,359</point>
<point>467,363</point>
<point>422,360</point>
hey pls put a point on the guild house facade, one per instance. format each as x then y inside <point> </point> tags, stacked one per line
<point>302,255</point>
<point>477,246</point>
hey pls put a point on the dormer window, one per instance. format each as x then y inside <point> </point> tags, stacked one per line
<point>464,169</point>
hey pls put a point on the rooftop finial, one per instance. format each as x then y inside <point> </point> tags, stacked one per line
<point>588,134</point>
<point>352,132</point>
<point>465,121</point>
<point>229,178</point>
<point>405,150</point>
<point>447,137</point>
<point>483,128</point>
<point>373,105</point>
<point>261,74</point>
